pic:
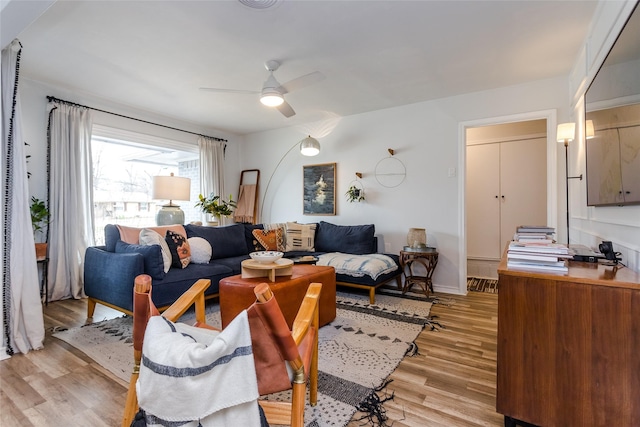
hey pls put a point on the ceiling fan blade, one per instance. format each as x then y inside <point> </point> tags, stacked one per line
<point>300,82</point>
<point>213,89</point>
<point>286,109</point>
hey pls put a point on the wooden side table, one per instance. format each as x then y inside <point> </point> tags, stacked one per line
<point>428,258</point>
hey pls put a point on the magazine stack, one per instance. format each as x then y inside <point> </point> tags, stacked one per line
<point>534,248</point>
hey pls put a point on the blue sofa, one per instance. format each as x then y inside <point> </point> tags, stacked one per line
<point>109,270</point>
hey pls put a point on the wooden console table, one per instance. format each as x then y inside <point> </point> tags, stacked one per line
<point>569,346</point>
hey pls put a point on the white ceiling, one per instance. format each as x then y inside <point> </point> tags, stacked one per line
<point>154,55</point>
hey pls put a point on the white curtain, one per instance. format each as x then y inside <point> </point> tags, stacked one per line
<point>71,198</point>
<point>21,306</point>
<point>211,166</point>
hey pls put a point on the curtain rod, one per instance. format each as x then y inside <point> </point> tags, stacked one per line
<point>53,98</point>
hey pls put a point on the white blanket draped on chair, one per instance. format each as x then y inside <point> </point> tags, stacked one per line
<point>191,374</point>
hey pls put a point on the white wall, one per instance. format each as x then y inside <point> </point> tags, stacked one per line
<point>591,225</point>
<point>426,138</point>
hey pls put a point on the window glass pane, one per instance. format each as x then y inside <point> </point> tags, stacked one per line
<point>122,182</point>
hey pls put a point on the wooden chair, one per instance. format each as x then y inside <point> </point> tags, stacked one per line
<point>272,341</point>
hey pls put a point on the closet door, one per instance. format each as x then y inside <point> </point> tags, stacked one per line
<point>482,198</point>
<point>523,186</point>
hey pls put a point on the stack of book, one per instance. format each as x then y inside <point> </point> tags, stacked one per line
<point>534,248</point>
<point>534,234</point>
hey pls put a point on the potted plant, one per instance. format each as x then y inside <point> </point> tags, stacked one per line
<point>39,219</point>
<point>355,194</point>
<point>216,206</point>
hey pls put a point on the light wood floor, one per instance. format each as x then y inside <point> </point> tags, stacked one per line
<point>451,382</point>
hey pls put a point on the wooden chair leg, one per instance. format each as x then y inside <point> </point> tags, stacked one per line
<point>297,405</point>
<point>313,377</point>
<point>131,404</point>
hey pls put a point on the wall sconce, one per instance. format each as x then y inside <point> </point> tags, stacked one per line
<point>565,134</point>
<point>171,188</point>
<point>589,130</point>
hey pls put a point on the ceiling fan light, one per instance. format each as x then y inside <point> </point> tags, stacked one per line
<point>271,98</point>
<point>309,147</point>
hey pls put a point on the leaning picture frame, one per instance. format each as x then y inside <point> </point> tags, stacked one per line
<point>319,189</point>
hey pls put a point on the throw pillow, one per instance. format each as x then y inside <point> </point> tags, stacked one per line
<point>348,239</point>
<point>270,240</point>
<point>150,237</point>
<point>151,255</point>
<point>200,250</point>
<point>180,250</point>
<point>300,237</point>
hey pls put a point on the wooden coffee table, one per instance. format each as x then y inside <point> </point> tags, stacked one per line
<point>236,292</point>
<point>281,267</point>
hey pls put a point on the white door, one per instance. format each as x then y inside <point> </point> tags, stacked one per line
<point>482,199</point>
<point>523,186</point>
<point>506,187</point>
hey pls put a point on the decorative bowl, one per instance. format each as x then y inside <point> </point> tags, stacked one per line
<point>266,257</point>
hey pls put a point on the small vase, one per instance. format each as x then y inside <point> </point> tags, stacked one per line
<point>417,238</point>
<point>212,220</point>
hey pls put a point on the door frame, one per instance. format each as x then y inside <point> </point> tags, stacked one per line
<point>552,174</point>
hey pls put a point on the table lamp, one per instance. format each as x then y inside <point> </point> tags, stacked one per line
<point>171,188</point>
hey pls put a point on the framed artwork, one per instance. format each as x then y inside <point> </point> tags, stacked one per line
<point>319,189</point>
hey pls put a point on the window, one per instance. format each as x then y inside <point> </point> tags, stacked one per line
<point>123,166</point>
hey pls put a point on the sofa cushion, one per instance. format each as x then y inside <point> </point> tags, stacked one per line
<point>179,247</point>
<point>349,239</point>
<point>200,250</point>
<point>300,237</point>
<point>152,256</point>
<point>228,241</point>
<point>151,237</point>
<point>234,263</point>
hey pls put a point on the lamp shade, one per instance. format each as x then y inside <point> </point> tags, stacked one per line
<point>590,131</point>
<point>171,188</point>
<point>271,98</point>
<point>566,132</point>
<point>309,146</point>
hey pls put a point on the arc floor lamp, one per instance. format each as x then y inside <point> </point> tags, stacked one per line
<point>308,147</point>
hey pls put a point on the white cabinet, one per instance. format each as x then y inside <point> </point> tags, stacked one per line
<point>506,187</point>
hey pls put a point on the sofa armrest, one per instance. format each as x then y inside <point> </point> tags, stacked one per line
<point>109,276</point>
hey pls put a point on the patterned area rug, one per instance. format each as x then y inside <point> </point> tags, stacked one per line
<point>357,351</point>
<point>482,285</point>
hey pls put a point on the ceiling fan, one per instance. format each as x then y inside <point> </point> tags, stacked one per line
<point>272,93</point>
